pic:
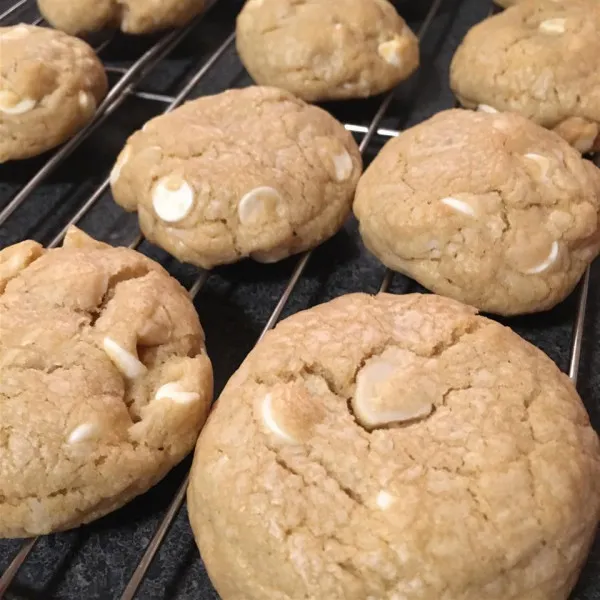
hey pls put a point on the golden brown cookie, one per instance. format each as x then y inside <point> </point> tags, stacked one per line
<point>489,209</point>
<point>539,59</point>
<point>253,172</point>
<point>131,16</point>
<point>104,381</point>
<point>326,50</point>
<point>395,447</point>
<point>50,86</point>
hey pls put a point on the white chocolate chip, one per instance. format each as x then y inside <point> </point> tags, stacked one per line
<point>11,104</point>
<point>486,108</point>
<point>370,398</point>
<point>546,263</point>
<point>257,204</point>
<point>172,198</point>
<point>121,162</point>
<point>553,26</point>
<point>384,500</point>
<point>82,433</point>
<point>343,166</point>
<point>15,33</point>
<point>87,102</point>
<point>542,163</point>
<point>174,391</point>
<point>270,422</point>
<point>459,205</point>
<point>126,362</point>
<point>390,51</point>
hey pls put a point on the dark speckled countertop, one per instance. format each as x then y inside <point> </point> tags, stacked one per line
<point>96,561</point>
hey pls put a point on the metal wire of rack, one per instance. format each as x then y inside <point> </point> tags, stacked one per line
<point>127,86</point>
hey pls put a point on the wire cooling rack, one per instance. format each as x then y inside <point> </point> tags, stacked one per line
<point>146,549</point>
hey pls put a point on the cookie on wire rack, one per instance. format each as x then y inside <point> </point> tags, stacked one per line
<point>50,86</point>
<point>490,209</point>
<point>539,59</point>
<point>131,16</point>
<point>395,447</point>
<point>326,50</point>
<point>104,381</point>
<point>253,173</point>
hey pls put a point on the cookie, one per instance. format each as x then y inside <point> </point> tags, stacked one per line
<point>539,59</point>
<point>395,447</point>
<point>50,86</point>
<point>104,381</point>
<point>130,16</point>
<point>253,172</point>
<point>324,50</point>
<point>489,209</point>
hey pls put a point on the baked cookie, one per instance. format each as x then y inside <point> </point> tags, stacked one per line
<point>253,172</point>
<point>324,50</point>
<point>539,59</point>
<point>395,447</point>
<point>104,381</point>
<point>131,16</point>
<point>50,85</point>
<point>489,209</point>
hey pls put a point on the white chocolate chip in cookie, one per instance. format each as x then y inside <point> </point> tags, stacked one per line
<point>87,102</point>
<point>129,365</point>
<point>270,421</point>
<point>541,164</point>
<point>553,26</point>
<point>384,500</point>
<point>83,433</point>
<point>486,108</point>
<point>391,52</point>
<point>172,198</point>
<point>12,104</point>
<point>257,204</point>
<point>121,162</point>
<point>459,205</point>
<point>175,391</point>
<point>377,402</point>
<point>343,166</point>
<point>547,262</point>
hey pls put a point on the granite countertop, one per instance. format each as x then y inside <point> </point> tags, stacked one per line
<point>96,561</point>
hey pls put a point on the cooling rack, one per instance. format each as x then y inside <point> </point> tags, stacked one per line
<point>146,550</point>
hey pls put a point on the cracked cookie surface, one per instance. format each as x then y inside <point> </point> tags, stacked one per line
<point>131,16</point>
<point>50,86</point>
<point>104,381</point>
<point>539,59</point>
<point>395,447</point>
<point>489,209</point>
<point>323,50</point>
<point>253,172</point>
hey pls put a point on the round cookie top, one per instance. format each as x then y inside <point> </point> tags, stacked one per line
<point>539,59</point>
<point>323,50</point>
<point>104,381</point>
<point>50,85</point>
<point>489,209</point>
<point>131,16</point>
<point>252,172</point>
<point>395,447</point>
